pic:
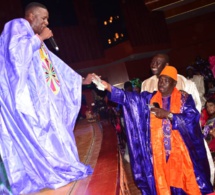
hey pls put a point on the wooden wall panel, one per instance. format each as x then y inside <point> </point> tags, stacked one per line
<point>139,68</point>
<point>144,27</point>
<point>191,38</point>
<point>114,74</point>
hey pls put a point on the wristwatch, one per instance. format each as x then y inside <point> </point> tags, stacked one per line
<point>170,116</point>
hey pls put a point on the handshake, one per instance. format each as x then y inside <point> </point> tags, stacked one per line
<point>98,82</point>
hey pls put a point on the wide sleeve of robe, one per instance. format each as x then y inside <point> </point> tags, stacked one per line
<point>187,123</point>
<point>37,144</point>
<point>136,115</point>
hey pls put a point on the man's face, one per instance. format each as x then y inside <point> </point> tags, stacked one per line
<point>166,85</point>
<point>39,20</point>
<point>129,88</point>
<point>157,64</point>
<point>210,107</point>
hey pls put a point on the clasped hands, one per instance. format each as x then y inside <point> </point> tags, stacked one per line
<point>92,77</point>
<point>89,78</point>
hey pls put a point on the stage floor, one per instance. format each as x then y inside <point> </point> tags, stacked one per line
<point>97,146</point>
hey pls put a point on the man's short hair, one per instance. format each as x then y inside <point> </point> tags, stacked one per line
<point>210,100</point>
<point>127,84</point>
<point>165,56</point>
<point>33,5</point>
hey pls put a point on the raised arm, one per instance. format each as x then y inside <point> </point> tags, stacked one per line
<point>107,85</point>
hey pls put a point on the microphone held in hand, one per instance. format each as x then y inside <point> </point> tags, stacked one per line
<point>53,43</point>
<point>156,105</point>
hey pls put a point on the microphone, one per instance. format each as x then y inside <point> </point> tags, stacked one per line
<point>156,105</point>
<point>53,43</point>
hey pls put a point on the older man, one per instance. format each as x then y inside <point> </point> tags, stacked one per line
<point>40,98</point>
<point>159,61</point>
<point>166,145</point>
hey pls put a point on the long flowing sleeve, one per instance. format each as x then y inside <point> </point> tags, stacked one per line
<point>21,43</point>
<point>187,123</point>
<point>136,114</point>
<point>18,46</point>
<point>36,123</point>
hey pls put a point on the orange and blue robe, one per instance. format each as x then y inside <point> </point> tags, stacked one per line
<point>174,166</point>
